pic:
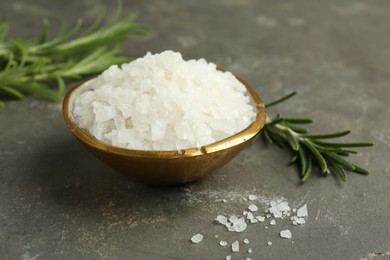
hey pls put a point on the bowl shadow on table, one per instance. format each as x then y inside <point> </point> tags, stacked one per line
<point>73,177</point>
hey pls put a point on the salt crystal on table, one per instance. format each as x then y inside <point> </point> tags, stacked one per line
<point>273,222</point>
<point>302,211</point>
<point>269,243</point>
<point>301,221</point>
<point>235,246</point>
<point>223,243</point>
<point>260,218</point>
<point>249,216</point>
<point>250,250</point>
<point>239,225</point>
<point>229,257</point>
<point>253,207</point>
<point>246,241</point>
<point>221,219</point>
<point>285,234</point>
<point>252,197</point>
<point>197,238</point>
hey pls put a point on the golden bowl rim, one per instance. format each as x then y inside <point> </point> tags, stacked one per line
<point>243,136</point>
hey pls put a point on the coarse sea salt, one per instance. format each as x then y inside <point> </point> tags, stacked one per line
<point>197,238</point>
<point>162,102</point>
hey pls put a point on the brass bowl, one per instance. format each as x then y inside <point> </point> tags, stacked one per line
<point>165,167</point>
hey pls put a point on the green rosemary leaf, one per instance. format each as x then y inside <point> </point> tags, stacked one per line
<point>328,136</point>
<point>319,158</point>
<point>292,140</point>
<point>12,92</point>
<point>293,159</point>
<point>343,144</point>
<point>349,166</point>
<point>281,99</point>
<point>360,170</point>
<point>267,137</point>
<point>277,139</point>
<point>304,161</point>
<point>299,120</point>
<point>307,173</point>
<point>339,170</point>
<point>298,129</point>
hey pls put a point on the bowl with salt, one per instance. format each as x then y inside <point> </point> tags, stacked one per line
<point>163,120</point>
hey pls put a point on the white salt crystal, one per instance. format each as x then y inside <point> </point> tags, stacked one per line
<point>269,243</point>
<point>302,211</point>
<point>168,103</point>
<point>240,225</point>
<point>229,257</point>
<point>252,207</point>
<point>103,112</point>
<point>233,219</point>
<point>250,250</point>
<point>223,243</point>
<point>197,238</point>
<point>235,246</point>
<point>221,219</point>
<point>285,234</point>
<point>249,215</point>
<point>252,197</point>
<point>301,221</point>
<point>246,241</point>
<point>254,220</point>
<point>273,222</point>
<point>260,218</point>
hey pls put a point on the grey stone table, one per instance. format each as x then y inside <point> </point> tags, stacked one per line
<point>58,202</point>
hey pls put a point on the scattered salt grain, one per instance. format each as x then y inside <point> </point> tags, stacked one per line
<point>285,234</point>
<point>235,246</point>
<point>260,218</point>
<point>302,211</point>
<point>197,238</point>
<point>273,222</point>
<point>163,103</point>
<point>222,220</point>
<point>249,216</point>
<point>246,241</point>
<point>229,257</point>
<point>269,243</point>
<point>250,250</point>
<point>252,197</point>
<point>279,208</point>
<point>252,207</point>
<point>223,243</point>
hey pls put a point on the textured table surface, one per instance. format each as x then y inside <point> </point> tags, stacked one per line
<point>58,202</point>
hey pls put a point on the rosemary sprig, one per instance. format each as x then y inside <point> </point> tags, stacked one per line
<point>29,66</point>
<point>308,149</point>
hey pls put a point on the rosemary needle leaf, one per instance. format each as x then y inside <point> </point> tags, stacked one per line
<point>309,149</point>
<point>343,144</point>
<point>293,159</point>
<point>339,170</point>
<point>299,120</point>
<point>292,140</point>
<point>273,103</point>
<point>12,92</point>
<point>307,173</point>
<point>327,136</point>
<point>317,154</point>
<point>30,66</point>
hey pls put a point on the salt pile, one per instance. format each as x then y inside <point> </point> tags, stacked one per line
<point>162,102</point>
<point>277,211</point>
